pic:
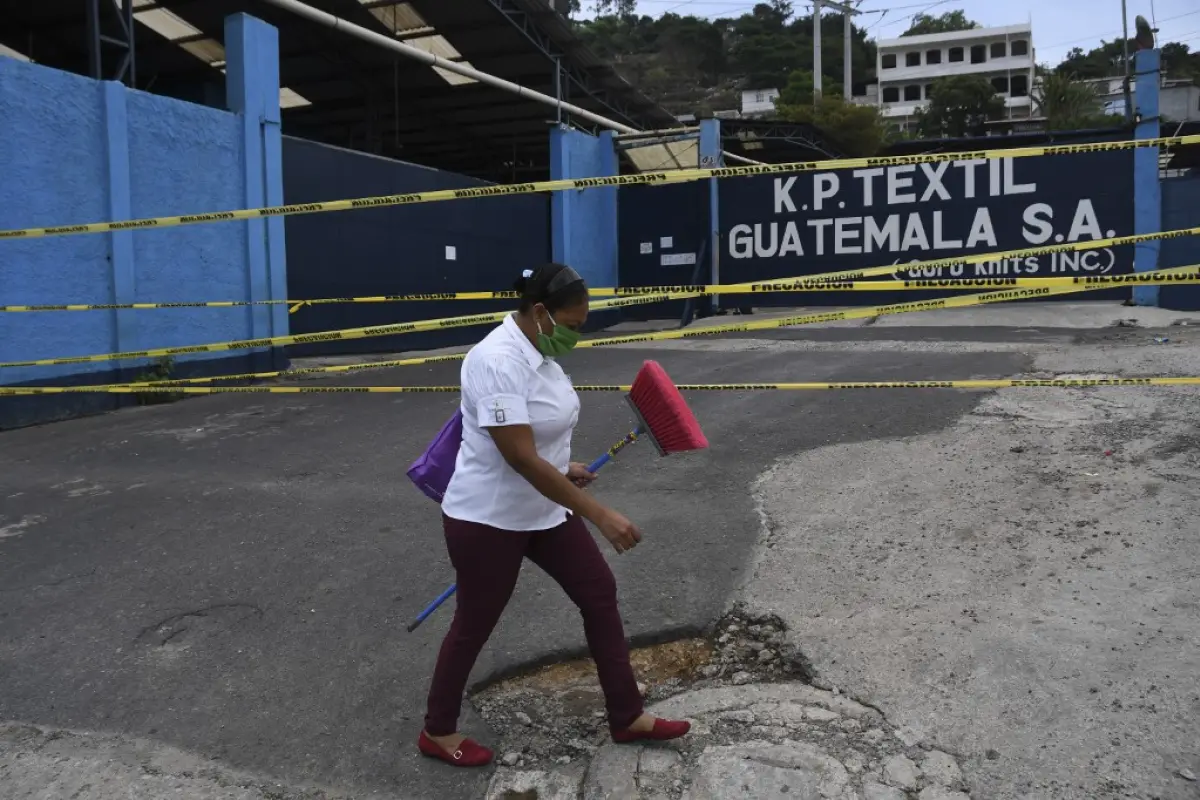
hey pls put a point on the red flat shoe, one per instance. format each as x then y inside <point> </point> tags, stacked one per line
<point>468,754</point>
<point>663,730</point>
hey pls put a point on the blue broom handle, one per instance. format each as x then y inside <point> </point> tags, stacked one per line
<point>629,439</point>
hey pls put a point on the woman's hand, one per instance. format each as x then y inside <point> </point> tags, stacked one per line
<point>621,533</point>
<point>579,475</point>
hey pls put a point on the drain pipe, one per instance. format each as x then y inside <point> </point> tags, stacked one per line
<point>417,54</point>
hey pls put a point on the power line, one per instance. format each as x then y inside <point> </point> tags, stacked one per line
<point>1094,36</point>
<point>911,16</point>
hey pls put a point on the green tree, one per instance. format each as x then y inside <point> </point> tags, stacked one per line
<point>1068,104</point>
<point>958,106</point>
<point>943,23</point>
<point>1179,62</point>
<point>1105,61</point>
<point>859,130</point>
<point>687,63</point>
<point>800,88</point>
<point>620,8</point>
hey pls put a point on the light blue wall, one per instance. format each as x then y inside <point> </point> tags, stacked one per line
<point>74,150</point>
<point>186,159</point>
<point>583,224</point>
<point>53,170</point>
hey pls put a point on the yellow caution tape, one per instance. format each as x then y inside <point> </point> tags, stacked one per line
<point>295,304</point>
<point>325,336</point>
<point>1052,383</point>
<point>829,281</point>
<point>807,281</point>
<point>786,285</point>
<point>507,190</point>
<point>962,301</point>
<point>479,319</point>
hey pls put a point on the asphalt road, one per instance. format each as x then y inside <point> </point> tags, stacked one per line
<point>232,575</point>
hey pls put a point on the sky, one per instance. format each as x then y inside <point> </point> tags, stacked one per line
<point>1058,25</point>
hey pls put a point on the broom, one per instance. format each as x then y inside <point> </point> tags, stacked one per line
<point>662,416</point>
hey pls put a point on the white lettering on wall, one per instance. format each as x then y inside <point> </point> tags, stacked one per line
<point>783,195</point>
<point>868,176</point>
<point>934,173</point>
<point>825,186</point>
<point>897,180</point>
<point>1038,223</point>
<point>924,211</point>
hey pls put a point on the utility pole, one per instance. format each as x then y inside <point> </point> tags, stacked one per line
<point>1126,90</point>
<point>848,13</point>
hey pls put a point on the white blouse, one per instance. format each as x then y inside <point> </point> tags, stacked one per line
<point>507,381</point>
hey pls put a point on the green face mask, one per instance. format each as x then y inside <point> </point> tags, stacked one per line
<point>561,339</point>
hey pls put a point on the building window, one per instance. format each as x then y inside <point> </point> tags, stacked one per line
<point>933,57</point>
<point>956,54</point>
<point>979,54</point>
<point>999,50</point>
<point>1020,47</point>
<point>891,94</point>
<point>928,91</point>
<point>912,59</point>
<point>912,93</point>
<point>889,61</point>
<point>759,97</point>
<point>1019,87</point>
<point>1000,84</point>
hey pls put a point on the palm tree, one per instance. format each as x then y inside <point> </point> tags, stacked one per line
<point>1067,103</point>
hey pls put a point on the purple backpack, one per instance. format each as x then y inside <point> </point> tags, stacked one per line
<point>432,470</point>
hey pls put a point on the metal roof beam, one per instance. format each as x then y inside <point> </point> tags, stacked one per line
<point>331,21</point>
<point>561,59</point>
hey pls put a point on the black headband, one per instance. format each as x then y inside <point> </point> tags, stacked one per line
<point>565,277</point>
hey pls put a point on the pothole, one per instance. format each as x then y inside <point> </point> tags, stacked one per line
<point>555,714</point>
<point>759,728</point>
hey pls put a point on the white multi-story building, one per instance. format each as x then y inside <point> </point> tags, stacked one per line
<point>908,66</point>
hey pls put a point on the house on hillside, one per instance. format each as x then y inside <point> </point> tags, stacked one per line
<point>759,102</point>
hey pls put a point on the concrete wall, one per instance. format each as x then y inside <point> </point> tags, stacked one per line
<point>1180,103</point>
<point>75,150</point>
<point>584,223</point>
<point>1181,209</point>
<point>458,246</point>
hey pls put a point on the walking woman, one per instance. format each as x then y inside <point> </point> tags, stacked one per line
<point>515,494</point>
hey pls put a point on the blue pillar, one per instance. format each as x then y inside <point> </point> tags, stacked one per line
<point>120,243</point>
<point>252,89</point>
<point>583,223</point>
<point>711,158</point>
<point>1147,191</point>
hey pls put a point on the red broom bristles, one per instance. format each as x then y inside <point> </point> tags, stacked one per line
<point>664,411</point>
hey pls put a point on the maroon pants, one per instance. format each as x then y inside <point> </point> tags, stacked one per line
<point>487,561</point>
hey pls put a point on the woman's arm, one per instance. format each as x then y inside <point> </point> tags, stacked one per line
<point>515,443</point>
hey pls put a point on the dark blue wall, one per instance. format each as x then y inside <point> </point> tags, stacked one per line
<point>399,250</point>
<point>650,214</point>
<point>778,227</point>
<point>1181,209</point>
